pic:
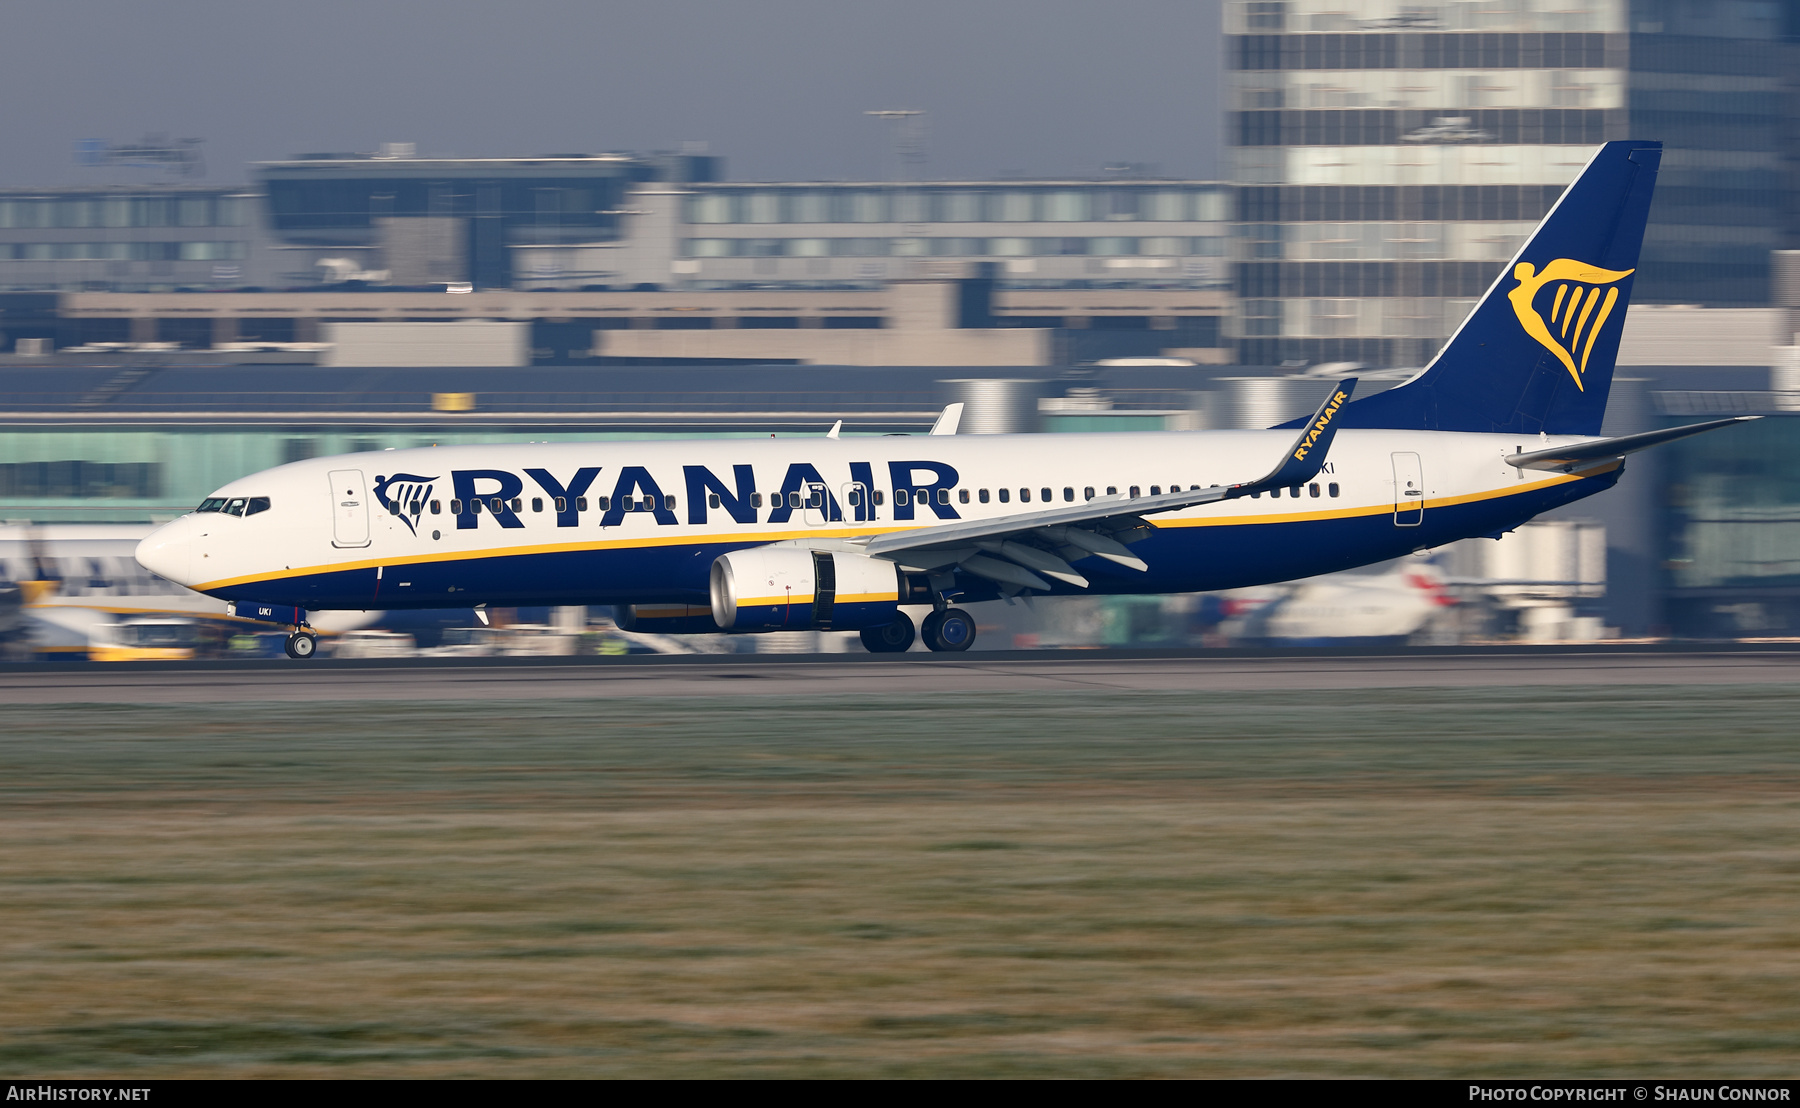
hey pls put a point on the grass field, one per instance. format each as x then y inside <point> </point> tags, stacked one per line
<point>1526,882</point>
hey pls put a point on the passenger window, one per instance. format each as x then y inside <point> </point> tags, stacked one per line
<point>1112,490</point>
<point>982,496</point>
<point>518,504</point>
<point>712,500</point>
<point>1024,496</point>
<point>562,504</point>
<point>793,500</point>
<point>437,507</point>
<point>962,496</point>
<point>474,507</point>
<point>456,507</point>
<point>1332,488</point>
<point>537,503</point>
<point>1313,489</point>
<point>1256,496</point>
<point>1044,495</point>
<point>581,503</point>
<point>1294,491</point>
<point>1087,493</point>
<point>943,496</point>
<point>1005,496</point>
<point>669,501</point>
<point>604,503</point>
<point>852,498</point>
<point>880,497</point>
<point>900,497</point>
<point>261,504</point>
<point>394,508</point>
<point>921,496</point>
<point>756,500</point>
<point>1068,494</point>
<point>1134,492</point>
<point>1155,490</point>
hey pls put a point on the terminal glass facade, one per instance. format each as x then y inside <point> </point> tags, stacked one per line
<point>1066,234</point>
<point>1733,526</point>
<point>125,239</point>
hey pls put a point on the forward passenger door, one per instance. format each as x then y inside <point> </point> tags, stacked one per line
<point>349,508</point>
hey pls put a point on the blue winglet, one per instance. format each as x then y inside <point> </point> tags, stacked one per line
<point>1303,460</point>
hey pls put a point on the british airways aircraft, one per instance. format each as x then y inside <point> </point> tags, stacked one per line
<point>834,533</point>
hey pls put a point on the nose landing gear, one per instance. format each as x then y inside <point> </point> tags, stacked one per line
<point>302,644</point>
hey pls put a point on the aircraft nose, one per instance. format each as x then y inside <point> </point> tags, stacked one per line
<point>168,551</point>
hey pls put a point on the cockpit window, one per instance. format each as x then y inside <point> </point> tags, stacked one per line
<point>234,505</point>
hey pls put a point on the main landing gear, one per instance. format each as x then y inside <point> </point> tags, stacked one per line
<point>945,629</point>
<point>895,638</point>
<point>302,644</point>
<point>949,630</point>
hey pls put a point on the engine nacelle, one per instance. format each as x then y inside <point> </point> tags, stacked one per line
<point>785,588</point>
<point>665,619</point>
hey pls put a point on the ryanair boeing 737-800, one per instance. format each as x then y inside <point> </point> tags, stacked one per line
<point>834,533</point>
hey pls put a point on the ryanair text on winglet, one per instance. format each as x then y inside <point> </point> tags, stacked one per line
<point>1319,425</point>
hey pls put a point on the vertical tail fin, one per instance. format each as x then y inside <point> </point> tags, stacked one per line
<point>1537,352</point>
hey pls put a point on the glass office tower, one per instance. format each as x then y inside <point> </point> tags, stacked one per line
<point>1390,157</point>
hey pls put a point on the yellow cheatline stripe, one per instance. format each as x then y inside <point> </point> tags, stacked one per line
<point>807,598</point>
<point>553,548</point>
<point>1371,509</point>
<point>780,536</point>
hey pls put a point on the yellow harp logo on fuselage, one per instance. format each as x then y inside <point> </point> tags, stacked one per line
<point>1573,324</point>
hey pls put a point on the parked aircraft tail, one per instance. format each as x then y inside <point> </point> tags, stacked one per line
<point>1537,352</point>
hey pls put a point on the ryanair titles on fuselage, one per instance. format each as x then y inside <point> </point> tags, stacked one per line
<point>490,492</point>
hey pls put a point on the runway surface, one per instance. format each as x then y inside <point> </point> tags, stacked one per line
<point>244,685</point>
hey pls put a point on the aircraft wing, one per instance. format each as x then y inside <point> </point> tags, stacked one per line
<point>1579,455</point>
<point>1010,548</point>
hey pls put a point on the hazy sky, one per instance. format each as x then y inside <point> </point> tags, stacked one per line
<point>1032,87</point>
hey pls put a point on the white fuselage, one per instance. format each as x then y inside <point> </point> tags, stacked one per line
<point>325,524</point>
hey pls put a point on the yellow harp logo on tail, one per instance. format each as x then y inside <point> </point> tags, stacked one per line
<point>1574,323</point>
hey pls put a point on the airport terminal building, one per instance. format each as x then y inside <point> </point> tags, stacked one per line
<point>1390,157</point>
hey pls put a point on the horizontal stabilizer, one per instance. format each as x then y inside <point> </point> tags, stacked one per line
<point>1579,455</point>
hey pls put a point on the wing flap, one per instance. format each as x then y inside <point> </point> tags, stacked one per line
<point>1301,463</point>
